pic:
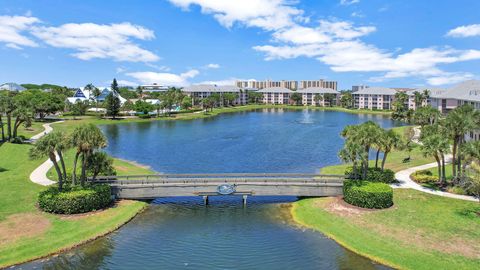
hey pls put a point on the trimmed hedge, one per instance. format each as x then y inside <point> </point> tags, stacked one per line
<point>374,175</point>
<point>424,177</point>
<point>367,194</point>
<point>75,200</point>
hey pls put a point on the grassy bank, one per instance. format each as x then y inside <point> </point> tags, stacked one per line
<point>421,231</point>
<point>27,233</point>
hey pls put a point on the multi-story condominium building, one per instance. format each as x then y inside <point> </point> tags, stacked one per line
<point>200,91</point>
<point>374,98</point>
<point>467,92</point>
<point>319,83</point>
<point>292,85</point>
<point>276,95</point>
<point>308,96</point>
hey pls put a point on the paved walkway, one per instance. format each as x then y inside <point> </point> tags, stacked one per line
<point>39,175</point>
<point>406,182</point>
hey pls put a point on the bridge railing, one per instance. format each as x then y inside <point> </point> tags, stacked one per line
<point>221,178</point>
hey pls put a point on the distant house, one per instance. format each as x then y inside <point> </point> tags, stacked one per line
<point>82,94</point>
<point>12,87</point>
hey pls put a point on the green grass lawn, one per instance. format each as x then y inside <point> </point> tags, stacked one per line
<point>421,231</point>
<point>27,233</point>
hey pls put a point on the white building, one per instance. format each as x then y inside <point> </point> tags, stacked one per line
<point>308,96</point>
<point>154,87</point>
<point>374,98</point>
<point>12,87</point>
<point>276,95</point>
<point>200,91</point>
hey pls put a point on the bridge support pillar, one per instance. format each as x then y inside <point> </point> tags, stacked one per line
<point>244,200</point>
<point>205,200</point>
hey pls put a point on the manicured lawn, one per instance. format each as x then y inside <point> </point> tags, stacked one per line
<point>27,233</point>
<point>420,231</point>
<point>33,130</point>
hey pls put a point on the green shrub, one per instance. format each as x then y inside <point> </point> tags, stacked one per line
<point>373,175</point>
<point>424,178</point>
<point>368,194</point>
<point>457,190</point>
<point>75,200</point>
<point>424,172</point>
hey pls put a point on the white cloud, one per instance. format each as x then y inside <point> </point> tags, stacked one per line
<point>266,14</point>
<point>99,40</point>
<point>164,78</point>
<point>357,14</point>
<point>349,2</point>
<point>126,83</point>
<point>449,78</point>
<point>12,28</point>
<point>472,30</point>
<point>212,66</point>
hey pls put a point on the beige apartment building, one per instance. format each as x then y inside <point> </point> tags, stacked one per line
<point>374,98</point>
<point>292,85</point>
<point>308,96</point>
<point>276,95</point>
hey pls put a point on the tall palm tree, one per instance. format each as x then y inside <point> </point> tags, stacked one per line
<point>459,122</point>
<point>390,141</point>
<point>86,138</point>
<point>352,152</point>
<point>317,98</point>
<point>435,144</point>
<point>49,145</point>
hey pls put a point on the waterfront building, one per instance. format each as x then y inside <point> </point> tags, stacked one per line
<point>319,84</point>
<point>308,96</point>
<point>276,95</point>
<point>12,87</point>
<point>200,91</point>
<point>374,98</point>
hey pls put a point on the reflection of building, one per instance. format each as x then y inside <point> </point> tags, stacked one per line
<point>292,85</point>
<point>12,87</point>
<point>201,91</point>
<point>82,94</point>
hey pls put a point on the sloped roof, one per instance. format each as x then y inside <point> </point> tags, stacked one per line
<point>318,90</point>
<point>12,87</point>
<point>376,91</point>
<point>468,90</point>
<point>276,90</point>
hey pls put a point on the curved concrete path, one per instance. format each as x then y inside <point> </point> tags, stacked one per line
<point>39,175</point>
<point>403,177</point>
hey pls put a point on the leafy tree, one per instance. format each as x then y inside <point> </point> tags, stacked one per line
<point>100,163</point>
<point>7,107</point>
<point>139,91</point>
<point>254,97</point>
<point>170,98</point>
<point>86,139</point>
<point>78,108</point>
<point>346,101</point>
<point>400,109</point>
<point>296,98</point>
<point>24,110</point>
<point>317,98</point>
<point>472,183</point>
<point>229,98</point>
<point>329,98</point>
<point>128,94</point>
<point>51,145</point>
<point>186,102</point>
<point>143,107</point>
<point>426,115</point>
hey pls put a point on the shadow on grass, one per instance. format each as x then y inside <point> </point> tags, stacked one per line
<point>3,169</point>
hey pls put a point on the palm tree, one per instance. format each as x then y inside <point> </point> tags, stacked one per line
<point>470,151</point>
<point>435,144</point>
<point>86,138</point>
<point>390,141</point>
<point>352,152</point>
<point>49,145</point>
<point>459,122</point>
<point>317,98</point>
<point>418,97</point>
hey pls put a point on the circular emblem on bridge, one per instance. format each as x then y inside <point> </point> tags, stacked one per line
<point>225,189</point>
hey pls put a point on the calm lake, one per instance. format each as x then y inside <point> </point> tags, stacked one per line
<point>181,233</point>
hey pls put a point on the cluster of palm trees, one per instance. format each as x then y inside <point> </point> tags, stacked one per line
<point>441,136</point>
<point>216,99</point>
<point>87,140</point>
<point>361,139</point>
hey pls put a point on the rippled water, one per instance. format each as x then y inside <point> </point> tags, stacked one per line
<point>182,233</point>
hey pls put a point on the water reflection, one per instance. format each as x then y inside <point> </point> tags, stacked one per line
<point>181,233</point>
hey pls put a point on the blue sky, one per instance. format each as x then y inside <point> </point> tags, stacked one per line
<point>398,43</point>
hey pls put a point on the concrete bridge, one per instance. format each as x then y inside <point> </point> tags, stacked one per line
<point>236,184</point>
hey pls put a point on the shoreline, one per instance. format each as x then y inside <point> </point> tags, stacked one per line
<point>76,245</point>
<point>375,259</point>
